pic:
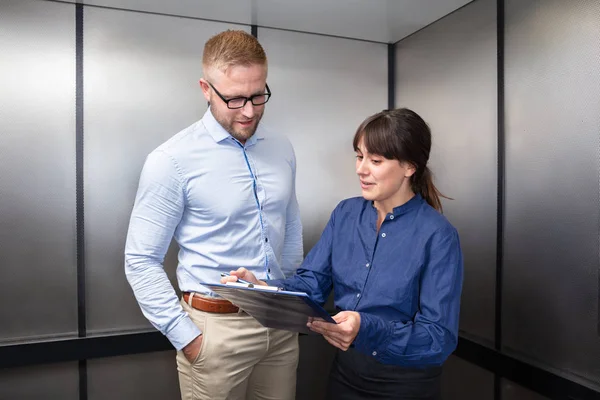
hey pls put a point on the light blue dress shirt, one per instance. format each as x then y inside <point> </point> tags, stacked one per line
<point>226,204</point>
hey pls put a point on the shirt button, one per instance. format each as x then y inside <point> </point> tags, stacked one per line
<point>358,295</point>
<point>269,270</point>
<point>367,265</point>
<point>383,234</point>
<point>391,217</point>
<point>374,353</point>
<point>267,240</point>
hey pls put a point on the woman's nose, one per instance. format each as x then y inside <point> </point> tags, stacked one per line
<point>360,168</point>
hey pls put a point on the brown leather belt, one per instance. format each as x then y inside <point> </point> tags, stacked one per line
<point>210,305</point>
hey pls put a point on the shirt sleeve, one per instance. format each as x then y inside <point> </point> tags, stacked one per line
<point>292,244</point>
<point>157,211</point>
<point>314,275</point>
<point>432,335</point>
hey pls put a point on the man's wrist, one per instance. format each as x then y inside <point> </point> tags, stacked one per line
<point>183,333</point>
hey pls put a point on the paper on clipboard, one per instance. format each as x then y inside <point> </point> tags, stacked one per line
<point>273,307</point>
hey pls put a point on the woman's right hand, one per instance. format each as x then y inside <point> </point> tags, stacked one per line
<point>242,273</point>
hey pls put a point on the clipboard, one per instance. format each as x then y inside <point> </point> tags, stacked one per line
<point>273,307</point>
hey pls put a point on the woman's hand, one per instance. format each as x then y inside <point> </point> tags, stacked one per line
<point>342,334</point>
<point>242,273</point>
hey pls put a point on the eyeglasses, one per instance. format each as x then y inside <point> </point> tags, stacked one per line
<point>239,102</point>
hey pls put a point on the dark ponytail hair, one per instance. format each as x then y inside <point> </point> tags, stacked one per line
<point>402,135</point>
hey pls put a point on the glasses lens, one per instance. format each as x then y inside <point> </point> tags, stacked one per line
<point>236,103</point>
<point>260,99</point>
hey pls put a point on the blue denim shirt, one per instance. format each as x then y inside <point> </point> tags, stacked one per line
<point>405,280</point>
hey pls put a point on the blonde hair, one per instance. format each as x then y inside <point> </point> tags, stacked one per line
<point>232,47</point>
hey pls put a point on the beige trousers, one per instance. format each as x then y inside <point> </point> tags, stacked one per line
<point>238,359</point>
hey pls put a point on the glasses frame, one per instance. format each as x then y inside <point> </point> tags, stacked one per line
<point>246,99</point>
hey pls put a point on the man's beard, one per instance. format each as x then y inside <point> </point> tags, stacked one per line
<point>241,134</point>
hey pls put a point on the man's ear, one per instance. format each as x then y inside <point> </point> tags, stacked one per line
<point>205,88</point>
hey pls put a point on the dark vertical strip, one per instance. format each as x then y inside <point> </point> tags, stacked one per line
<point>391,76</point>
<point>501,175</point>
<point>79,169</point>
<point>83,387</point>
<point>497,387</point>
<point>81,317</point>
<point>501,189</point>
<point>254,30</point>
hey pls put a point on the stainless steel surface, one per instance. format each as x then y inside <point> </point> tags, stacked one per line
<point>380,21</point>
<point>323,89</point>
<point>512,391</point>
<point>37,170</point>
<point>550,305</point>
<point>447,74</point>
<point>141,87</point>
<point>54,381</point>
<point>316,357</point>
<point>151,376</point>
<point>462,380</point>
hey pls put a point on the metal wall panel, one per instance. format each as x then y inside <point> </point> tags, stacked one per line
<point>380,21</point>
<point>316,357</point>
<point>38,272</point>
<point>462,380</point>
<point>150,376</point>
<point>55,381</point>
<point>550,307</point>
<point>323,88</point>
<point>141,87</point>
<point>447,73</point>
<point>512,391</point>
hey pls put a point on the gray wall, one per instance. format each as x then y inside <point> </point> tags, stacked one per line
<point>511,391</point>
<point>447,72</point>
<point>319,111</point>
<point>139,376</point>
<point>552,193</point>
<point>140,87</point>
<point>462,380</point>
<point>55,381</point>
<point>316,108</point>
<point>37,170</point>
<point>141,76</point>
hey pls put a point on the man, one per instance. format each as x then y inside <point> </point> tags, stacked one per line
<point>224,188</point>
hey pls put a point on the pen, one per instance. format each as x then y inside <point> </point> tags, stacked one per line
<point>239,280</point>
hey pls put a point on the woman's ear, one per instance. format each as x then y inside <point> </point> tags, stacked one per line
<point>409,169</point>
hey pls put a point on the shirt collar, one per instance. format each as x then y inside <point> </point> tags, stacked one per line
<point>218,133</point>
<point>414,203</point>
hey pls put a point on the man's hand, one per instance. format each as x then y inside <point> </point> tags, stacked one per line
<point>242,273</point>
<point>192,349</point>
<point>342,334</point>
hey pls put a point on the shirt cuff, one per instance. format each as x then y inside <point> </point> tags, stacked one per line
<point>183,332</point>
<point>373,335</point>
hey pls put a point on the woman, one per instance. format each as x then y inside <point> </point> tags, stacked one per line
<point>395,266</point>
